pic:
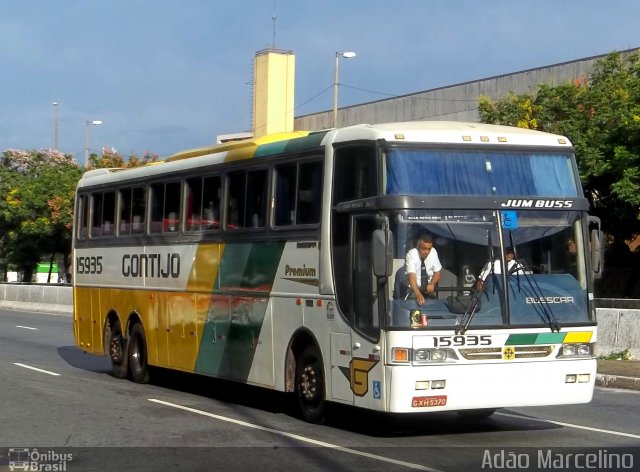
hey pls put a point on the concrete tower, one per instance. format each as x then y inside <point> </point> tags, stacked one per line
<point>273,88</point>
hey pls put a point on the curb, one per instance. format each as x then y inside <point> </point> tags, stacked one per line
<point>617,381</point>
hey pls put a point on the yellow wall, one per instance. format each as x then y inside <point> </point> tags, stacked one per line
<point>273,88</point>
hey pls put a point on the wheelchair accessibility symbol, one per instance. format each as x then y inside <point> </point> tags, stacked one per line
<point>509,219</point>
<point>377,393</point>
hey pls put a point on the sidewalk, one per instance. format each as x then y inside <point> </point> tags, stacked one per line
<point>618,374</point>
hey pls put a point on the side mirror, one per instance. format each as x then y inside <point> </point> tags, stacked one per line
<point>595,247</point>
<point>382,245</point>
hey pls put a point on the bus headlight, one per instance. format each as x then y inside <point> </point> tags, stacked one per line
<point>430,355</point>
<point>576,350</point>
<point>404,355</point>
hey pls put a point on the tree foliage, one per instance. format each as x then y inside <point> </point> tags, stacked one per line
<point>36,210</point>
<point>110,158</point>
<point>600,114</point>
<point>37,191</point>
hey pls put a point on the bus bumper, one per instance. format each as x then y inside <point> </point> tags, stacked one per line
<point>487,386</point>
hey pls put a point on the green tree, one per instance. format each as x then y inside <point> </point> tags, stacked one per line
<point>37,208</point>
<point>110,158</point>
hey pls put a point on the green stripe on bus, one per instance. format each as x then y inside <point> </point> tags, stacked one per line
<point>550,338</point>
<point>312,141</point>
<point>519,339</point>
<point>534,338</point>
<point>234,321</point>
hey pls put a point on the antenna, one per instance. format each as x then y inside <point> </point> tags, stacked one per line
<point>274,18</point>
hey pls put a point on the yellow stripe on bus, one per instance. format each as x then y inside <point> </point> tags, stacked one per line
<point>204,270</point>
<point>578,337</point>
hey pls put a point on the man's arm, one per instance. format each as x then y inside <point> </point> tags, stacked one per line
<point>413,282</point>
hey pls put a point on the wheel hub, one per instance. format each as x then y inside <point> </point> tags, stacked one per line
<point>116,350</point>
<point>308,383</point>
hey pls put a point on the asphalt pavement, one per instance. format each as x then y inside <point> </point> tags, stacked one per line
<point>618,374</point>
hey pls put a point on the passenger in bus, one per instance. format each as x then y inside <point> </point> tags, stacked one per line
<point>234,215</point>
<point>513,267</point>
<point>422,269</point>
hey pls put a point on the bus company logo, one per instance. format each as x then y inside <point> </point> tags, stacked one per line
<point>517,203</point>
<point>358,374</point>
<point>508,353</point>
<point>303,275</point>
<point>303,271</point>
<point>151,265</point>
<point>550,300</point>
<point>38,461</point>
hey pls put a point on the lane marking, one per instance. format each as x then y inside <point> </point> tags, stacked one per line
<point>26,327</point>
<point>35,368</point>
<point>315,442</point>
<point>570,425</point>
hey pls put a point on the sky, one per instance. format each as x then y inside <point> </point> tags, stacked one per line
<point>169,75</point>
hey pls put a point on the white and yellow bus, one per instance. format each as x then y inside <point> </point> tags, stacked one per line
<point>279,262</point>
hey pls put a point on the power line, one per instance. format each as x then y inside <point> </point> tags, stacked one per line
<point>411,95</point>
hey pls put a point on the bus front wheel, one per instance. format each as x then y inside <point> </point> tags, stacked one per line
<point>138,355</point>
<point>310,386</point>
<point>117,351</point>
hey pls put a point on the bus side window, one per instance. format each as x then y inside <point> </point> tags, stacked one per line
<point>96,220</point>
<point>83,227</point>
<point>309,193</point>
<point>298,194</point>
<point>108,214</point>
<point>157,207</point>
<point>285,204</point>
<point>194,204</point>
<point>138,210</point>
<point>104,213</point>
<point>172,207</point>
<point>125,211</point>
<point>256,209</point>
<point>235,199</point>
<point>211,203</point>
<point>247,199</point>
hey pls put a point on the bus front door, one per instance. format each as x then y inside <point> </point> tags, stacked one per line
<point>366,368</point>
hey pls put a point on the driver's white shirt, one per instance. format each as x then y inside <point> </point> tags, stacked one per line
<point>513,267</point>
<point>413,264</point>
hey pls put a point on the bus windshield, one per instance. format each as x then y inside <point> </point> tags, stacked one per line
<point>539,258</point>
<point>419,171</point>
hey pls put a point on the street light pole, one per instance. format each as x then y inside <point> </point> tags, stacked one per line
<point>346,55</point>
<point>55,126</point>
<point>86,139</point>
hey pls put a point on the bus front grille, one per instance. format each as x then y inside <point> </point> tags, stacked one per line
<point>520,352</point>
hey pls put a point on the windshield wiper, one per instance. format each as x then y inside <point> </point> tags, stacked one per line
<point>543,309</point>
<point>462,324</point>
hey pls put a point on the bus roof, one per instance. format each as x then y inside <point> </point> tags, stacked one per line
<point>451,132</point>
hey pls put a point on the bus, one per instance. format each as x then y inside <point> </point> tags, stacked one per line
<point>279,262</point>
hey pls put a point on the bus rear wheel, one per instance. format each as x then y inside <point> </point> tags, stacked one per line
<point>118,351</point>
<point>310,386</point>
<point>138,355</point>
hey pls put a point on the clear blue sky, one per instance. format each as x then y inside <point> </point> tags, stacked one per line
<point>169,75</point>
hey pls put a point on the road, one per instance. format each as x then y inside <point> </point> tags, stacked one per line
<point>60,401</point>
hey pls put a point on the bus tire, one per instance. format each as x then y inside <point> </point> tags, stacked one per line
<point>137,354</point>
<point>118,351</point>
<point>309,386</point>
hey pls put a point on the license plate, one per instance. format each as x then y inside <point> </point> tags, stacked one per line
<point>422,402</point>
